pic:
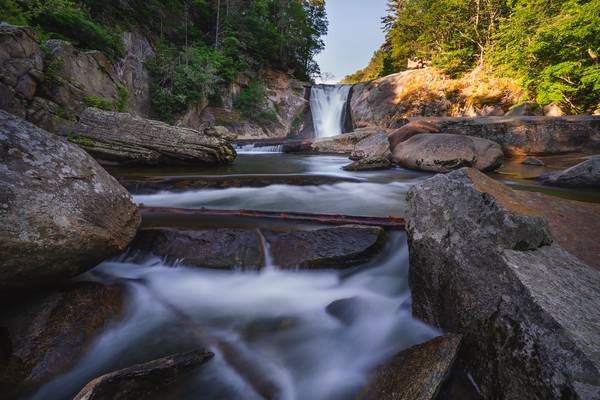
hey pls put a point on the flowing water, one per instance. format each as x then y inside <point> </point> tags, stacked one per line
<point>328,107</point>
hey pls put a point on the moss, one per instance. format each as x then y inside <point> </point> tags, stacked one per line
<point>298,120</point>
<point>80,140</point>
<point>99,102</point>
<point>52,67</point>
<point>123,98</point>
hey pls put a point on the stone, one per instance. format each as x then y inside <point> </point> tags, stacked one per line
<point>582,175</point>
<point>525,108</point>
<point>373,146</point>
<point>536,162</point>
<point>342,144</point>
<point>60,212</point>
<point>443,152</point>
<point>484,264</point>
<point>143,381</point>
<point>369,164</point>
<point>48,332</point>
<point>127,139</point>
<point>348,310</point>
<point>553,110</point>
<point>409,130</point>
<point>339,247</point>
<point>211,248</point>
<point>416,373</point>
<point>26,86</point>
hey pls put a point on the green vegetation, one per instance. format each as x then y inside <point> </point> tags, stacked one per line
<point>80,140</point>
<point>550,46</point>
<point>107,104</point>
<point>252,104</point>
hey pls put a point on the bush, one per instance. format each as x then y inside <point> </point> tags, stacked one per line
<point>252,104</point>
<point>110,105</point>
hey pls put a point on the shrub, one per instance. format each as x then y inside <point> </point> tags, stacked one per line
<point>252,104</point>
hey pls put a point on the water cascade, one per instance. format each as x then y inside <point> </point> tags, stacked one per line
<point>328,107</point>
<point>258,148</point>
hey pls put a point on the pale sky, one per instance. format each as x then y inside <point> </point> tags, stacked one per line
<point>354,34</point>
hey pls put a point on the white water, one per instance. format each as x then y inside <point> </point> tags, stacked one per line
<point>328,106</point>
<point>258,149</point>
<point>274,319</point>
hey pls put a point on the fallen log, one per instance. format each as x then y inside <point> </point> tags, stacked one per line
<point>329,219</point>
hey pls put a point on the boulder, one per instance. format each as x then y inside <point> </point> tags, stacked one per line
<point>536,162</point>
<point>553,110</point>
<point>585,174</point>
<point>409,130</point>
<point>444,152</point>
<point>349,309</point>
<point>369,164</point>
<point>144,381</point>
<point>343,144</point>
<point>47,333</point>
<point>373,146</point>
<point>483,264</point>
<point>417,373</point>
<point>127,139</point>
<point>339,247</point>
<point>525,108</point>
<point>212,248</point>
<point>60,212</point>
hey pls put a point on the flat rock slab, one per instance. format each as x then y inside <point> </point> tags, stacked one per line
<point>143,381</point>
<point>417,373</point>
<point>339,247</point>
<point>61,213</point>
<point>484,264</point>
<point>369,164</point>
<point>46,334</point>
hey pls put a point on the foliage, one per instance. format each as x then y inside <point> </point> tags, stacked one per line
<point>110,105</point>
<point>253,106</point>
<point>11,12</point>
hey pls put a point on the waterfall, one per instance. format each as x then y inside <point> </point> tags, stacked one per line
<point>328,107</point>
<point>256,148</point>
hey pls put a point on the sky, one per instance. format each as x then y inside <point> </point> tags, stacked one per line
<point>354,34</point>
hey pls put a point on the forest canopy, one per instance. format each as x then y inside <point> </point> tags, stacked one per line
<point>550,46</point>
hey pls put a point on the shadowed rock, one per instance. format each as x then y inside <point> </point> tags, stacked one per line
<point>409,130</point>
<point>143,381</point>
<point>60,212</point>
<point>375,145</point>
<point>369,164</point>
<point>483,265</point>
<point>338,247</point>
<point>443,153</point>
<point>47,333</point>
<point>127,139</point>
<point>585,174</point>
<point>416,373</point>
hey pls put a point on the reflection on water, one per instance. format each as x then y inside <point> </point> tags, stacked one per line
<point>275,321</point>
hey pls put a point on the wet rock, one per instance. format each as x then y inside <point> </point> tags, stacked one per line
<point>60,212</point>
<point>47,333</point>
<point>369,164</point>
<point>533,161</point>
<point>348,310</point>
<point>483,265</point>
<point>144,381</point>
<point>338,247</point>
<point>127,139</point>
<point>211,248</point>
<point>409,130</point>
<point>443,153</point>
<point>585,174</point>
<point>373,146</point>
<point>417,373</point>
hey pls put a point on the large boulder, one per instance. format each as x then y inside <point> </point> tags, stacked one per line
<point>60,212</point>
<point>417,373</point>
<point>127,139</point>
<point>338,247</point>
<point>483,264</point>
<point>44,335</point>
<point>409,130</point>
<point>443,153</point>
<point>144,381</point>
<point>585,174</point>
<point>373,146</point>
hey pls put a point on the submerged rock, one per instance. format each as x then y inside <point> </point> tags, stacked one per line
<point>444,153</point>
<point>47,333</point>
<point>144,381</point>
<point>585,174</point>
<point>338,247</point>
<point>127,139</point>
<point>60,212</point>
<point>369,164</point>
<point>483,265</point>
<point>211,248</point>
<point>536,162</point>
<point>416,373</point>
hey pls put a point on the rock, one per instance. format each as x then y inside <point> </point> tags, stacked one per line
<point>553,110</point>
<point>416,373</point>
<point>47,333</point>
<point>339,247</point>
<point>523,109</point>
<point>483,265</point>
<point>520,136</point>
<point>369,164</point>
<point>442,153</point>
<point>343,144</point>
<point>491,111</point>
<point>533,161</point>
<point>143,381</point>
<point>409,130</point>
<point>585,174</point>
<point>214,248</point>
<point>373,146</point>
<point>60,212</point>
<point>127,139</point>
<point>348,310</point>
